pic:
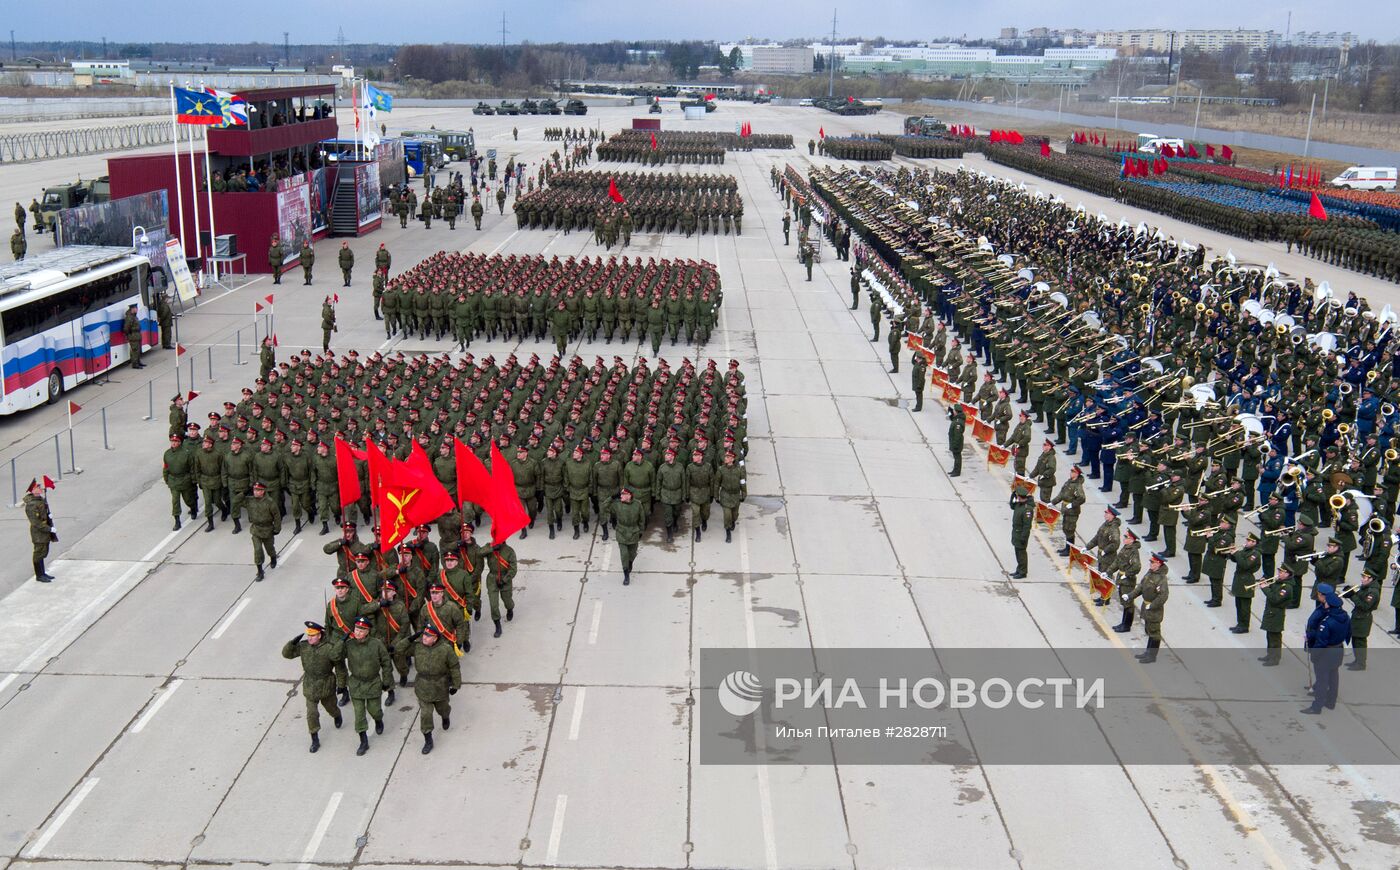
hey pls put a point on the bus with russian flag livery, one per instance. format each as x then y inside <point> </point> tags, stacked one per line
<point>61,315</point>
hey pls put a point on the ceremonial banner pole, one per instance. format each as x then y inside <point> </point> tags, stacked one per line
<point>175,142</point>
<point>194,192</point>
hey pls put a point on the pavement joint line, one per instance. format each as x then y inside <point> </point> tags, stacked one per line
<point>597,618</point>
<point>155,706</point>
<point>323,825</point>
<point>577,718</point>
<point>556,829</point>
<point>62,818</point>
<point>228,620</point>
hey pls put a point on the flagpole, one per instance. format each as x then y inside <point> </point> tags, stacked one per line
<point>209,186</point>
<point>194,193</point>
<point>175,141</point>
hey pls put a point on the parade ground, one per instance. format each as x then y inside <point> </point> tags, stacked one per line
<point>151,721</point>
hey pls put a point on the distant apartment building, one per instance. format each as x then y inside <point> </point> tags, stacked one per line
<point>1133,41</point>
<point>1317,39</point>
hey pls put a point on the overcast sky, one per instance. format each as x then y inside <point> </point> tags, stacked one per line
<point>601,20</point>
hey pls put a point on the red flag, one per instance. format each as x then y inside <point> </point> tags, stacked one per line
<point>48,482</point>
<point>473,480</point>
<point>997,455</point>
<point>1078,557</point>
<point>1315,208</point>
<point>1210,150</point>
<point>653,141</point>
<point>191,396</point>
<point>408,495</point>
<point>951,393</point>
<point>982,430</point>
<point>1044,148</point>
<point>508,515</point>
<point>1047,514</point>
<point>257,307</point>
<point>709,97</point>
<point>821,132</point>
<point>346,475</point>
<point>613,193</point>
<point>355,106</point>
<point>1192,152</point>
<point>335,299</point>
<point>1226,152</point>
<point>1100,583</point>
<point>268,298</point>
<point>73,407</point>
<point>179,350</point>
<point>274,340</point>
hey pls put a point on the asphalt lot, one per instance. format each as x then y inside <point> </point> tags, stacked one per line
<point>152,722</point>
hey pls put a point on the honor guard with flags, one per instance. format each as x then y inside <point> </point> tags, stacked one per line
<point>342,610</point>
<point>391,624</point>
<point>450,620</point>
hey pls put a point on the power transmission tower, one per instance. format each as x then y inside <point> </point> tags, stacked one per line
<point>503,30</point>
<point>340,41</point>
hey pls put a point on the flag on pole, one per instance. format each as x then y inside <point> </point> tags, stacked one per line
<point>997,455</point>
<point>1315,208</point>
<point>1045,148</point>
<point>1080,557</point>
<point>821,132</point>
<point>355,107</point>
<point>982,430</point>
<point>1046,514</point>
<point>191,396</point>
<point>613,193</point>
<point>73,408</point>
<point>268,298</point>
<point>508,515</point>
<point>653,141</point>
<point>1226,152</point>
<point>179,350</point>
<point>473,480</point>
<point>951,393</point>
<point>232,107</point>
<point>1100,583</point>
<point>407,495</point>
<point>378,99</point>
<point>346,474</point>
<point>196,107</point>
<point>1025,484</point>
<point>48,483</point>
<point>257,308</point>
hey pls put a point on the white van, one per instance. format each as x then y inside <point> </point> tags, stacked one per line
<point>1367,178</point>
<point>805,101</point>
<point>1154,146</point>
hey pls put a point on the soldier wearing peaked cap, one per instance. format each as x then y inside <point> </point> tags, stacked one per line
<point>41,533</point>
<point>439,677</point>
<point>371,673</point>
<point>320,652</point>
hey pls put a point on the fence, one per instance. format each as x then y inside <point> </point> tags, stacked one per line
<point>134,420</point>
<point>46,145</point>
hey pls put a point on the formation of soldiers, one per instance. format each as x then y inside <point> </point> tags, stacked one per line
<point>1352,242</point>
<point>1190,384</point>
<point>652,202</point>
<point>855,148</point>
<point>924,146</point>
<point>570,135</point>
<point>656,147</point>
<point>471,295</point>
<point>441,202</point>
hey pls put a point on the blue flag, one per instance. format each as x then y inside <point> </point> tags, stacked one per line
<point>379,100</point>
<point>197,107</point>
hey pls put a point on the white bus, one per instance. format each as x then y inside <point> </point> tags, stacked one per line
<point>61,320</point>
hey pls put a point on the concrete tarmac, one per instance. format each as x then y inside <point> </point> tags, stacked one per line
<point>153,723</point>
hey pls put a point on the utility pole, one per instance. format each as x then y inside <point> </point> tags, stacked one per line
<point>286,48</point>
<point>831,65</point>
<point>14,52</point>
<point>104,48</point>
<point>503,30</point>
<point>1307,141</point>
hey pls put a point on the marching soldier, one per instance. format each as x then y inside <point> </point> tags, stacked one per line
<point>450,210</point>
<point>41,533</point>
<point>501,568</point>
<point>478,211</point>
<point>392,623</point>
<point>319,656</point>
<point>177,470</point>
<point>732,490</point>
<point>628,521</point>
<point>264,524</point>
<point>439,677</point>
<point>347,261</point>
<point>328,322</point>
<point>371,673</point>
<point>700,483</point>
<point>209,470</point>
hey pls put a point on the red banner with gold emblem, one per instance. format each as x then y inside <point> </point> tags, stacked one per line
<point>1047,514</point>
<point>997,455</point>
<point>951,393</point>
<point>1100,583</point>
<point>1078,557</point>
<point>938,377</point>
<point>982,430</point>
<point>1025,484</point>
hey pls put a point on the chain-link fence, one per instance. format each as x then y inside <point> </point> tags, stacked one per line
<point>47,145</point>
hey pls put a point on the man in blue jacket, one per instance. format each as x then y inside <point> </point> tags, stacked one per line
<point>1329,626</point>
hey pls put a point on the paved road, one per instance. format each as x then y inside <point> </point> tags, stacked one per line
<point>151,721</point>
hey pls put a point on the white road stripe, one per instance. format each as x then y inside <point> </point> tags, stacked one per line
<point>607,559</point>
<point>228,620</point>
<point>578,713</point>
<point>556,830</point>
<point>152,710</point>
<point>750,636</point>
<point>504,243</point>
<point>66,633</point>
<point>296,542</point>
<point>597,618</point>
<point>322,826</point>
<point>62,818</point>
<point>161,546</point>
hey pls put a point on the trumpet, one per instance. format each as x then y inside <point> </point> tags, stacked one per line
<point>1210,495</point>
<point>1225,551</point>
<point>1261,583</point>
<point>1209,530</point>
<point>1282,530</point>
<point>1312,556</point>
<point>1159,485</point>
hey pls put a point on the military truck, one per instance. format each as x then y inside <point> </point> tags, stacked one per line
<point>79,192</point>
<point>454,144</point>
<point>529,107</point>
<point>926,125</point>
<point>575,107</point>
<point>484,109</point>
<point>548,107</point>
<point>507,108</point>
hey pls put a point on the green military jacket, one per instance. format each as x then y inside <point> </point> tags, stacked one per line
<point>371,671</point>
<point>318,663</point>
